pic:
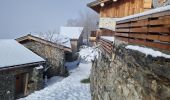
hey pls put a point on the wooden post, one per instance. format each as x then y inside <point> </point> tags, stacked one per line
<point>26,84</point>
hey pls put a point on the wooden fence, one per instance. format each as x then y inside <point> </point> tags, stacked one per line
<point>106,45</point>
<point>151,30</point>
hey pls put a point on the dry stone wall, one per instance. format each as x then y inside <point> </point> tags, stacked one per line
<point>54,57</point>
<point>130,75</point>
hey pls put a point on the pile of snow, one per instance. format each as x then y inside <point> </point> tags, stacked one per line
<point>148,51</point>
<point>156,10</point>
<point>12,53</point>
<point>109,38</point>
<point>69,88</point>
<point>89,53</point>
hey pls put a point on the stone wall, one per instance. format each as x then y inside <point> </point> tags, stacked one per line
<point>130,75</point>
<point>8,82</point>
<point>54,57</point>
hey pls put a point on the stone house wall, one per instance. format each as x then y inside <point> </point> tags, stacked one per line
<point>54,57</point>
<point>130,75</point>
<point>8,82</point>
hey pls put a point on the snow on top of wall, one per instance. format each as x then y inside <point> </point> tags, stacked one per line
<point>71,32</point>
<point>109,38</point>
<point>88,53</point>
<point>12,53</point>
<point>156,10</point>
<point>148,51</point>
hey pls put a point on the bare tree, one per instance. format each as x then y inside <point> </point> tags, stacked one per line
<point>88,20</point>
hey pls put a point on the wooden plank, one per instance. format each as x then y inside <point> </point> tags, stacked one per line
<point>164,38</point>
<point>105,48</point>
<point>160,22</point>
<point>139,23</point>
<point>159,29</point>
<point>138,36</point>
<point>137,41</point>
<point>123,25</point>
<point>123,39</point>
<point>158,45</point>
<point>26,84</point>
<point>161,14</point>
<point>122,34</point>
<point>140,30</point>
<point>153,37</point>
<point>147,4</point>
<point>122,30</point>
<point>105,43</point>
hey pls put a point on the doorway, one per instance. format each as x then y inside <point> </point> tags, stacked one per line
<point>19,85</point>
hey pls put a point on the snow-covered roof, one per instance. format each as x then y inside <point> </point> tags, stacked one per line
<point>71,32</point>
<point>156,10</point>
<point>12,54</point>
<point>148,51</point>
<point>109,38</point>
<point>56,38</point>
<point>62,40</point>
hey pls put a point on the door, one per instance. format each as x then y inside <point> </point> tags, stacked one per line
<point>19,85</point>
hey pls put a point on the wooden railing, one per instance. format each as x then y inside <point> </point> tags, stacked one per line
<point>151,30</point>
<point>106,45</point>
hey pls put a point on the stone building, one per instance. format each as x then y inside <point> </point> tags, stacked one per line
<point>53,53</point>
<point>76,36</point>
<point>21,71</point>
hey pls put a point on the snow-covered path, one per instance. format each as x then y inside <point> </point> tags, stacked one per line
<point>69,88</point>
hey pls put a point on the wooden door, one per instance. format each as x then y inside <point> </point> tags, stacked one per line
<point>19,86</point>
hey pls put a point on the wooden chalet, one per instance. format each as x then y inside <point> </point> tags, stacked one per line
<point>21,70</point>
<point>54,54</point>
<point>134,22</point>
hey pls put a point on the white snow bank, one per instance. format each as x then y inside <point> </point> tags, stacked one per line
<point>69,88</point>
<point>148,51</point>
<point>12,53</point>
<point>109,38</point>
<point>88,53</point>
<point>156,10</point>
<point>54,80</point>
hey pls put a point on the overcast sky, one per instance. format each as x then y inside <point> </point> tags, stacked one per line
<point>18,17</point>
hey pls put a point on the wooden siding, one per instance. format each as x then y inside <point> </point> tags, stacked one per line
<point>150,30</point>
<point>123,8</point>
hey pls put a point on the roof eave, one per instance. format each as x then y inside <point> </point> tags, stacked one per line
<point>95,5</point>
<point>22,65</point>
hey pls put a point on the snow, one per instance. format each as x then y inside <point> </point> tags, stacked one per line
<point>89,53</point>
<point>156,10</point>
<point>56,38</point>
<point>12,53</point>
<point>109,38</point>
<point>54,80</point>
<point>62,40</point>
<point>71,32</point>
<point>69,88</point>
<point>148,51</point>
<point>40,67</point>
